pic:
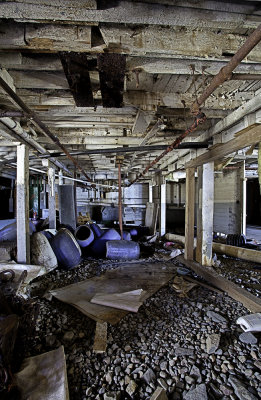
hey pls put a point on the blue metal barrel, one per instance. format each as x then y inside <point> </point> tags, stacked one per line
<point>99,245</point>
<point>84,235</point>
<point>66,249</point>
<point>98,232</point>
<point>122,250</point>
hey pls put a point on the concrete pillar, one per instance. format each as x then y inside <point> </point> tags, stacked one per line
<point>51,198</point>
<point>67,205</point>
<point>205,214</point>
<point>162,227</point>
<point>22,205</point>
<point>150,193</point>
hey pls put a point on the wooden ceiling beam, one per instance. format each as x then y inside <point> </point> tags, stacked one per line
<point>127,12</point>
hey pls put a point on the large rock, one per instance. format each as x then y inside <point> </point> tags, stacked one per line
<point>216,317</point>
<point>199,393</point>
<point>248,338</point>
<point>149,376</point>
<point>159,394</point>
<point>240,390</point>
<point>180,351</point>
<point>212,342</point>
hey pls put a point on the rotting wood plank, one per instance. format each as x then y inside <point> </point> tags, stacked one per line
<point>112,72</point>
<point>76,68</point>
<point>100,339</point>
<point>251,302</point>
<point>252,136</point>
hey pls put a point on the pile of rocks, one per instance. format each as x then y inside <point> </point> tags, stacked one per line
<point>191,347</point>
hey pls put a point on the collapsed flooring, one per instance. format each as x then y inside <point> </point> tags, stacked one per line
<point>165,344</point>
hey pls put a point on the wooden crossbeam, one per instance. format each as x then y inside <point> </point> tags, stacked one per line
<point>248,138</point>
<point>250,301</point>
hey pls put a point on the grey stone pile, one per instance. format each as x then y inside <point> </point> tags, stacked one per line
<point>190,347</point>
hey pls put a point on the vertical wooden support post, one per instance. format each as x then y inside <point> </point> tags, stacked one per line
<point>51,198</point>
<point>189,213</point>
<point>162,209</point>
<point>205,214</point>
<point>150,193</point>
<point>22,205</point>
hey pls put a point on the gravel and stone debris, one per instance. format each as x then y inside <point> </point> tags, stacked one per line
<point>163,345</point>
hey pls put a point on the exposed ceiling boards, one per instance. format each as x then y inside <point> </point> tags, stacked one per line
<point>151,58</point>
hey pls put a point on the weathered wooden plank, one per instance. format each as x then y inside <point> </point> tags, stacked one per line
<point>39,80</point>
<point>149,277</point>
<point>83,4</point>
<point>189,213</point>
<point>130,13</point>
<point>252,136</point>
<point>238,252</point>
<point>45,37</point>
<point>152,41</point>
<point>250,301</point>
<point>155,65</point>
<point>100,339</point>
<point>146,99</point>
<point>175,41</point>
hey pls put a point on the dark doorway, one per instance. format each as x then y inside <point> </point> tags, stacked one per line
<point>253,202</point>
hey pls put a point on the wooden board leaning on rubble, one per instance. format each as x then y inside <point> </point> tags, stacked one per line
<point>148,276</point>
<point>251,302</point>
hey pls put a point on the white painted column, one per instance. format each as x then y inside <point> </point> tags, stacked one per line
<point>205,234</point>
<point>150,193</point>
<point>243,198</point>
<point>51,198</point>
<point>61,179</point>
<point>162,227</point>
<point>22,205</point>
<point>189,213</point>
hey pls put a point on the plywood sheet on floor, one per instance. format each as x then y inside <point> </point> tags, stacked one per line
<point>147,276</point>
